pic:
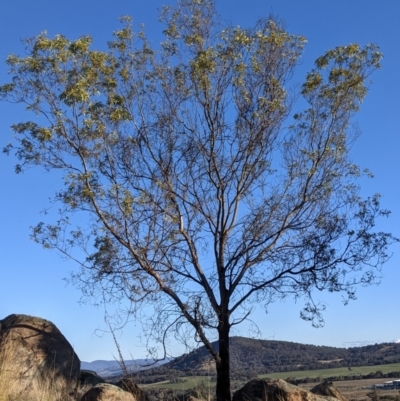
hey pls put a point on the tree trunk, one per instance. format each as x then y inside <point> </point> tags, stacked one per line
<point>223,366</point>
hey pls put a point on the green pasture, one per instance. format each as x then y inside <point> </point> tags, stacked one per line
<point>193,381</point>
<point>323,373</point>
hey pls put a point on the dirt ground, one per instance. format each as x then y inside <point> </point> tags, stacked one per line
<point>358,389</point>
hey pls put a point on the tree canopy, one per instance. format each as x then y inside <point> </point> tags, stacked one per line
<point>208,188</point>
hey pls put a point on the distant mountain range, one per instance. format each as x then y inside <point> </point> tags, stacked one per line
<point>113,368</point>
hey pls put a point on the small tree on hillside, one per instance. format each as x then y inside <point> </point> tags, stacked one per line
<point>207,194</point>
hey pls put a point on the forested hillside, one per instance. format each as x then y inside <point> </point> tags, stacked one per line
<point>250,357</point>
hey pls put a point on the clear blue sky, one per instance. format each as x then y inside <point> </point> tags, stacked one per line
<point>31,278</point>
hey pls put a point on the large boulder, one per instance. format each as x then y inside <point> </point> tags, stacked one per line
<point>35,359</point>
<point>107,392</point>
<point>89,378</point>
<point>276,390</point>
<point>129,385</point>
<point>328,389</point>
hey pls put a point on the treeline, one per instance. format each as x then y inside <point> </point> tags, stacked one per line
<point>176,377</point>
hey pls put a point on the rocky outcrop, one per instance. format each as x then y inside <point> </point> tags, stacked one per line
<point>107,392</point>
<point>276,390</point>
<point>130,386</point>
<point>199,393</point>
<point>36,356</point>
<point>89,378</point>
<point>327,389</point>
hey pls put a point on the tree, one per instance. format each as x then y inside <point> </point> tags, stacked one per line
<point>208,190</point>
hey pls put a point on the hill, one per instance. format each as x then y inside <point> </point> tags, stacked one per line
<point>250,357</point>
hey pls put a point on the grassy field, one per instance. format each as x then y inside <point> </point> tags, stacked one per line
<point>193,381</point>
<point>323,373</point>
<point>357,389</point>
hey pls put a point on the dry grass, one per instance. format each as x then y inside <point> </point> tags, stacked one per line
<point>8,374</point>
<point>38,388</point>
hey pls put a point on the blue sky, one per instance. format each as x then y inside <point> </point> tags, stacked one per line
<point>31,280</point>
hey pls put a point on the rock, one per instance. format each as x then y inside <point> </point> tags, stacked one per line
<point>89,378</point>
<point>198,393</point>
<point>275,390</point>
<point>107,392</point>
<point>37,358</point>
<point>328,389</point>
<point>129,385</point>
